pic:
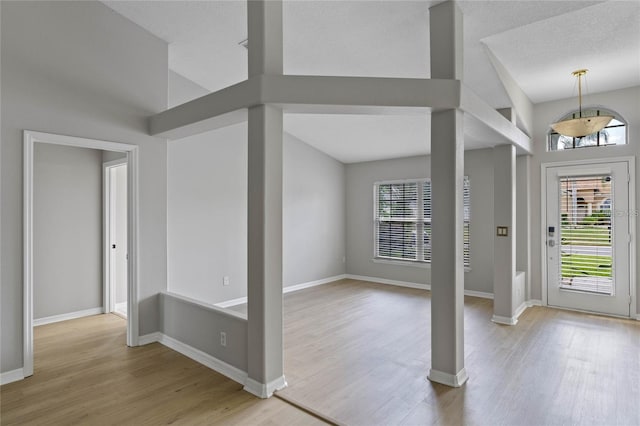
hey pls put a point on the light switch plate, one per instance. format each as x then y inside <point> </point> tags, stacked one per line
<point>502,231</point>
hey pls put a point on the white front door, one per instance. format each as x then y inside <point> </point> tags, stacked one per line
<point>587,237</point>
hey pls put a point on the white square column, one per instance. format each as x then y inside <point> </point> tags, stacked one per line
<point>264,246</point>
<point>447,182</point>
<point>504,240</point>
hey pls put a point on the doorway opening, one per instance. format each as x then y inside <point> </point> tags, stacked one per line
<point>115,237</point>
<point>130,153</point>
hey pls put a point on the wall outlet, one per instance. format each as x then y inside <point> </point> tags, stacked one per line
<point>225,280</point>
<point>223,338</point>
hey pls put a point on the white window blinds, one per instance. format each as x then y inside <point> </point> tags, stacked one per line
<point>402,212</point>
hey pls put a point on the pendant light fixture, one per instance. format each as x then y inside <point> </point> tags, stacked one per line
<point>580,126</point>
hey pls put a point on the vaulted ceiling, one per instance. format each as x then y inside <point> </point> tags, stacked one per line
<point>538,42</point>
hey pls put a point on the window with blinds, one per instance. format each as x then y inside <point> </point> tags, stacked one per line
<point>403,212</point>
<point>586,234</point>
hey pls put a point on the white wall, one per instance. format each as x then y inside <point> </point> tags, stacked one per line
<point>207,199</point>
<point>625,102</point>
<point>79,69</point>
<point>67,238</point>
<point>360,178</point>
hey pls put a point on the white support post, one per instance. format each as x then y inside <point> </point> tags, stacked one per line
<point>264,255</point>
<point>447,176</point>
<point>504,240</point>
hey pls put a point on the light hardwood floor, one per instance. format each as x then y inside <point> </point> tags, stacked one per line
<point>359,353</point>
<point>85,374</point>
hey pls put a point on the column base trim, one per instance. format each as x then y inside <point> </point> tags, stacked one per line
<point>504,320</point>
<point>264,390</point>
<point>11,376</point>
<point>453,380</point>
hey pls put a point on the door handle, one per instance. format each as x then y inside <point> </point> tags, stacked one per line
<point>551,243</point>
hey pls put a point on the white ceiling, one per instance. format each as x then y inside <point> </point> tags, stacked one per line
<point>539,42</point>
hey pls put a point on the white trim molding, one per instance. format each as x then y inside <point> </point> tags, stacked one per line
<point>149,338</point>
<point>480,294</point>
<point>68,316</point>
<point>29,140</point>
<point>472,293</point>
<point>498,319</point>
<point>516,316</point>
<point>453,380</point>
<point>253,387</point>
<point>389,282</point>
<point>12,376</point>
<point>265,390</point>
<point>315,283</point>
<point>205,359</point>
<point>285,290</point>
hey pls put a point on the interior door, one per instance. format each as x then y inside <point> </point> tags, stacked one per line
<point>587,237</point>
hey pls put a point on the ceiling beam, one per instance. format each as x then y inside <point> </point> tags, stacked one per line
<point>472,104</point>
<point>331,95</point>
<point>519,100</point>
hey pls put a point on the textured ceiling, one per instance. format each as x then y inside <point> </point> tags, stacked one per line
<point>539,43</point>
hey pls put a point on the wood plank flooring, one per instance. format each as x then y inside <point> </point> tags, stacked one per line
<point>360,352</point>
<point>85,374</point>
<point>357,352</point>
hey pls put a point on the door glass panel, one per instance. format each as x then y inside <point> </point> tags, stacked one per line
<point>586,262</point>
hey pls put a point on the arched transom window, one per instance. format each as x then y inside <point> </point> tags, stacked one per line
<point>614,134</point>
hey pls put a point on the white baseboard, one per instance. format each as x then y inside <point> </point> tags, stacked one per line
<point>520,310</point>
<point>232,302</point>
<point>69,316</point>
<point>149,338</point>
<point>505,320</point>
<point>427,287</point>
<point>285,290</point>
<point>533,302</point>
<point>205,359</point>
<point>302,286</point>
<point>453,380</point>
<point>11,376</point>
<point>265,390</point>
<point>390,282</point>
<point>481,294</point>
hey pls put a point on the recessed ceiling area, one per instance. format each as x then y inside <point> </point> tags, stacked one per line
<point>538,42</point>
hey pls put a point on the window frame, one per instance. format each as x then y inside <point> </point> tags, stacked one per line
<point>420,222</point>
<point>585,113</point>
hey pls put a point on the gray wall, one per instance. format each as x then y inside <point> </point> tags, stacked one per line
<point>625,102</point>
<point>199,326</point>
<point>207,214</point>
<point>360,178</point>
<point>183,90</point>
<point>67,238</point>
<point>314,235</point>
<point>79,69</point>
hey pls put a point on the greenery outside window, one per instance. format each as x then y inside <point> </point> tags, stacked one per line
<point>402,212</point>
<point>615,133</point>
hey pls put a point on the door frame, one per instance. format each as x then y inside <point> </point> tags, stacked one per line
<point>107,218</point>
<point>30,138</point>
<point>631,162</point>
